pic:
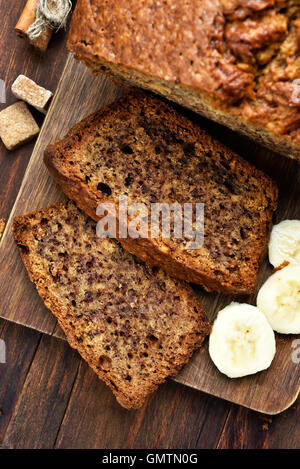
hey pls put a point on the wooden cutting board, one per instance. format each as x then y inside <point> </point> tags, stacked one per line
<point>78,95</point>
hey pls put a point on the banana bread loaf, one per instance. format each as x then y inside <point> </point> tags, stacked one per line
<point>143,148</point>
<point>235,61</point>
<point>133,324</point>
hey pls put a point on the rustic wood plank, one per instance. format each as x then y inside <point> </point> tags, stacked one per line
<point>173,417</point>
<point>79,94</point>
<point>181,418</point>
<point>111,425</point>
<point>21,344</point>
<point>41,406</point>
<point>247,429</point>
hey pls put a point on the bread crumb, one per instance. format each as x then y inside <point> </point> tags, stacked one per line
<point>2,226</point>
<point>132,351</point>
<point>267,422</point>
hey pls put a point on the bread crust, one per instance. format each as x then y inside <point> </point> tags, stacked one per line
<point>198,60</point>
<point>128,398</point>
<point>151,250</point>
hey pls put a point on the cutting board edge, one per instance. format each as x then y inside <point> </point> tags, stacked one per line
<point>264,410</point>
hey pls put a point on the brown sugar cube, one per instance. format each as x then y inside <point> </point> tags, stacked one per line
<point>27,90</point>
<point>17,125</point>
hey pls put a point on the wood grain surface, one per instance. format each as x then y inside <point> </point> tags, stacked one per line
<point>79,94</point>
<point>175,416</point>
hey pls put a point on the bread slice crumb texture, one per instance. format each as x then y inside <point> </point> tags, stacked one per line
<point>133,324</point>
<point>143,148</point>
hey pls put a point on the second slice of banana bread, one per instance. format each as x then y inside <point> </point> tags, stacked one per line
<point>134,325</point>
<point>143,148</point>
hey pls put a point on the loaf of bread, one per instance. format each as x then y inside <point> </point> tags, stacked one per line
<point>143,148</point>
<point>134,325</point>
<point>235,61</point>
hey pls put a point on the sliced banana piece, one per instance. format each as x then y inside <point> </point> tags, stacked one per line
<point>279,300</point>
<point>284,243</point>
<point>242,341</point>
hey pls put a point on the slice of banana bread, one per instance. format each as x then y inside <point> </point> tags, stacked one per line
<point>145,149</point>
<point>234,61</point>
<point>133,324</point>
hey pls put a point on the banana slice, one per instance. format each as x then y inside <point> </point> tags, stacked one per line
<point>284,243</point>
<point>279,300</point>
<point>242,341</point>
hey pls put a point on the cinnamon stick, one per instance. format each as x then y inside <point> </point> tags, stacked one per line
<point>26,19</point>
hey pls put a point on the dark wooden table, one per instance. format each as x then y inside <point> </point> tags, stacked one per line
<point>49,398</point>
